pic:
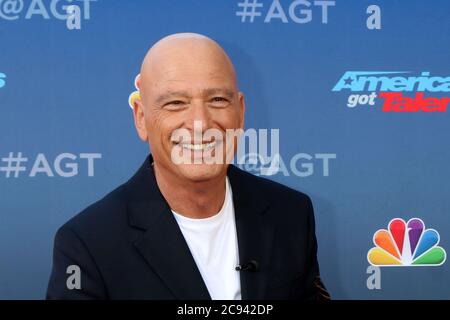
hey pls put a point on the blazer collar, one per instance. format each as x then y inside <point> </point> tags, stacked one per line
<point>165,250</point>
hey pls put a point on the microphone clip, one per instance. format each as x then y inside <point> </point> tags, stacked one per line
<point>251,266</point>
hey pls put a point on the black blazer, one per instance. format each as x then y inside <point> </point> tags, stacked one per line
<point>128,245</point>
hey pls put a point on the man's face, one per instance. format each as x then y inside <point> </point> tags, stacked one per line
<point>194,95</point>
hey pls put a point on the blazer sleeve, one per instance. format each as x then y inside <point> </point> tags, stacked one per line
<point>316,288</point>
<point>69,250</point>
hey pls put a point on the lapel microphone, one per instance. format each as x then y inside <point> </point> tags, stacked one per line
<point>251,266</point>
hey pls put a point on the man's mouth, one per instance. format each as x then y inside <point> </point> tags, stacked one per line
<point>206,146</point>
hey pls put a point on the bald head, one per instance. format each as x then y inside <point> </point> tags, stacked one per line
<point>184,52</point>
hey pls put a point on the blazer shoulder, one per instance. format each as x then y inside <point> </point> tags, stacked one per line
<point>101,214</point>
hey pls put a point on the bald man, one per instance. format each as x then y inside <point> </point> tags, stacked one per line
<point>188,225</point>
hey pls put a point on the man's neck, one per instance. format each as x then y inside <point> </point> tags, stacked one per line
<point>196,200</point>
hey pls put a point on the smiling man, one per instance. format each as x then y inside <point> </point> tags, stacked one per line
<point>188,225</point>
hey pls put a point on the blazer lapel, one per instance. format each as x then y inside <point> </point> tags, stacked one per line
<point>162,245</point>
<point>255,234</point>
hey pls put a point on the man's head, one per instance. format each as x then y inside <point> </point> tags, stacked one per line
<point>188,84</point>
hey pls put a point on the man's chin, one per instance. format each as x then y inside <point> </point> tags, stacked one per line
<point>201,172</point>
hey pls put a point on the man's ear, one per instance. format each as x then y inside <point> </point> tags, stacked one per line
<point>241,110</point>
<point>139,119</point>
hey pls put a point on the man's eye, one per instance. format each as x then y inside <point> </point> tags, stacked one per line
<point>219,101</point>
<point>176,104</point>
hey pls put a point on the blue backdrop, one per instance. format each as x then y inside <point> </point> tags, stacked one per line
<point>66,91</point>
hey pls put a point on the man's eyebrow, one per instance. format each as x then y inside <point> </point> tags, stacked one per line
<point>225,91</point>
<point>172,94</point>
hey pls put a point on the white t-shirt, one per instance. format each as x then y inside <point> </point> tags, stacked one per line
<point>213,244</point>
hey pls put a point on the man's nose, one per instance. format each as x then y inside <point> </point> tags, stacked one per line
<point>199,117</point>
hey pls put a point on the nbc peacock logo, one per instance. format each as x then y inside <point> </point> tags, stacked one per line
<point>406,245</point>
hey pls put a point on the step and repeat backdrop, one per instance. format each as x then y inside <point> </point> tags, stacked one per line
<point>352,95</point>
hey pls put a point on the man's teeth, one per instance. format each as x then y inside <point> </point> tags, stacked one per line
<point>199,146</point>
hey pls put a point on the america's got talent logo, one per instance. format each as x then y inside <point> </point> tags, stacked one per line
<point>406,244</point>
<point>428,91</point>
